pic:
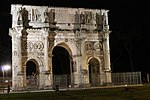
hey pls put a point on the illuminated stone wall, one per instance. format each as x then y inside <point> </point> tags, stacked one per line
<point>36,30</point>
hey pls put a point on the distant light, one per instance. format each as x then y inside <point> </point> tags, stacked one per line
<point>6,81</point>
<point>69,85</point>
<point>6,67</point>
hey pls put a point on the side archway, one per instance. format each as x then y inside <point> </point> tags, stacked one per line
<point>32,74</point>
<point>94,71</point>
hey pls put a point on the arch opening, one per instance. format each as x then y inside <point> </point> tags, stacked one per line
<point>31,68</point>
<point>61,66</point>
<point>32,74</point>
<point>94,72</point>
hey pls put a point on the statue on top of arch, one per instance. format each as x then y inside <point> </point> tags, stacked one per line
<point>23,16</point>
<point>49,16</point>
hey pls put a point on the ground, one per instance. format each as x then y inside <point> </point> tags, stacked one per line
<point>118,93</point>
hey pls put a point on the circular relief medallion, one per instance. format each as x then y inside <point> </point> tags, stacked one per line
<point>38,45</point>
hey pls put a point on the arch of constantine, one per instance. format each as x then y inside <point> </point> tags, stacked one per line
<point>59,46</point>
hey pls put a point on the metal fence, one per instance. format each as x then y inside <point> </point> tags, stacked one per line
<point>126,78</point>
<point>64,81</point>
<point>32,82</point>
<point>4,83</point>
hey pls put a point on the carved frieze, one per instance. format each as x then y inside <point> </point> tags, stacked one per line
<point>86,17</point>
<point>38,45</point>
<point>35,15</point>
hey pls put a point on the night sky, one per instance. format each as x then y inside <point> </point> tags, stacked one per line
<point>129,23</point>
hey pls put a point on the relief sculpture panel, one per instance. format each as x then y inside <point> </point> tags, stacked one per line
<point>30,45</point>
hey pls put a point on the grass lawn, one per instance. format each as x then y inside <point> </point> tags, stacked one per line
<point>130,93</point>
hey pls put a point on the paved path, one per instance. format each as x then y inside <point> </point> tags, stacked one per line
<point>67,89</point>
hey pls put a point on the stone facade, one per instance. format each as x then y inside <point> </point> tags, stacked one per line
<point>84,33</point>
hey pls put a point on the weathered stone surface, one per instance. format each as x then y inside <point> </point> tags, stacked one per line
<point>84,33</point>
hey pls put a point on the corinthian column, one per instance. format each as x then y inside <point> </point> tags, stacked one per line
<point>107,57</point>
<point>47,76</point>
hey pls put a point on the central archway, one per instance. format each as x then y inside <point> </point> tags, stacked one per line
<point>61,67</point>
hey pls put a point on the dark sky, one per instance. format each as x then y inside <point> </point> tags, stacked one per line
<point>129,22</point>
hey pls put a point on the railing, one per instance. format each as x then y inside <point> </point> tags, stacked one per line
<point>126,78</point>
<point>5,84</point>
<point>65,81</point>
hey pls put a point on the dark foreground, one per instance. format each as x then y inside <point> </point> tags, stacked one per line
<point>120,93</point>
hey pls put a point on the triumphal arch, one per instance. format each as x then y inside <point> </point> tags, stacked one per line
<point>59,46</point>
